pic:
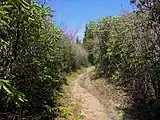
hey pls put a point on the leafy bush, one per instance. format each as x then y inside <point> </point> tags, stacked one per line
<point>127,53</point>
<point>34,58</point>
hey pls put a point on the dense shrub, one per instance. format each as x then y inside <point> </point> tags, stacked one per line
<point>90,41</point>
<point>128,55</point>
<point>35,58</point>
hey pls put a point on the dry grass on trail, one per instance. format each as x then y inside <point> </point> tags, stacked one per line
<point>69,109</point>
<point>113,98</point>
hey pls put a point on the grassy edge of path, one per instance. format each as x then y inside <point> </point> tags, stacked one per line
<point>69,109</point>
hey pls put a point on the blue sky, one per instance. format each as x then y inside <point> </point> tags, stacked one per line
<point>74,14</point>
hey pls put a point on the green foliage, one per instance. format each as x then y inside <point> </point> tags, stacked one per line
<point>35,58</point>
<point>128,54</point>
<point>80,57</point>
<point>91,41</point>
<point>12,93</point>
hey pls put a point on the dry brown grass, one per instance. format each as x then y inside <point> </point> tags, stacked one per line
<point>112,97</point>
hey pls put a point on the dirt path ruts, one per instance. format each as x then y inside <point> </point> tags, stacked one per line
<point>92,109</point>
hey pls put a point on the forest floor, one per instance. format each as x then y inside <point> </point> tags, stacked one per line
<point>94,99</point>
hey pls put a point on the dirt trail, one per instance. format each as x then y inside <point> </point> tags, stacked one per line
<point>91,108</point>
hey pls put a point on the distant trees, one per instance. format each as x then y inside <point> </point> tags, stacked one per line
<point>90,41</point>
<point>78,40</point>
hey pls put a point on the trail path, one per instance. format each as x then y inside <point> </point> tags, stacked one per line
<point>91,108</point>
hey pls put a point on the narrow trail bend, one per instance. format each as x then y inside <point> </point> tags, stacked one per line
<point>83,92</point>
<point>91,107</point>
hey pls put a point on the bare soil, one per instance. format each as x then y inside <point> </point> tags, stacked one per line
<point>97,99</point>
<point>91,108</point>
